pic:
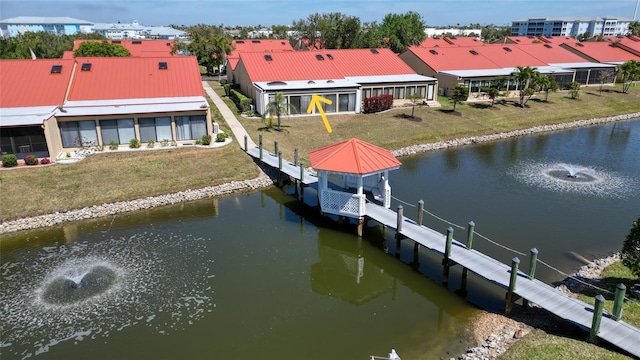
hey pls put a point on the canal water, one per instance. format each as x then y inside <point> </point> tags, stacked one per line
<point>261,276</point>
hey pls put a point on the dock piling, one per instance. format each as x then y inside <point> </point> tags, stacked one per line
<point>618,302</point>
<point>446,263</point>
<point>597,317</point>
<point>260,144</point>
<point>515,263</point>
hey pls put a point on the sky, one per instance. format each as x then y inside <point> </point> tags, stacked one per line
<point>284,12</point>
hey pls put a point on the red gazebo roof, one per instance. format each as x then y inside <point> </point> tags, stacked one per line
<point>353,156</point>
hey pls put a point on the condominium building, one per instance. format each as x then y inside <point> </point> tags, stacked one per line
<point>135,30</point>
<point>571,26</point>
<point>56,25</point>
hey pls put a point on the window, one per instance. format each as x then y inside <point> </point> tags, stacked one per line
<point>56,69</point>
<point>347,102</point>
<point>85,67</point>
<point>329,108</point>
<point>78,133</point>
<point>422,90</point>
<point>295,102</point>
<point>399,93</point>
<point>121,131</point>
<point>411,90</point>
<point>377,91</point>
<point>388,91</point>
<point>156,129</point>
<point>366,93</point>
<point>162,65</point>
<point>191,127</point>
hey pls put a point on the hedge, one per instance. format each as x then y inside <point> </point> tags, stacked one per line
<point>242,102</point>
<point>377,103</point>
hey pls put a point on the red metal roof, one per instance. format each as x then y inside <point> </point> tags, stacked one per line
<point>601,51</point>
<point>27,83</point>
<point>453,58</point>
<point>508,56</point>
<point>525,40</point>
<point>262,45</point>
<point>335,64</point>
<point>353,156</point>
<point>139,48</point>
<point>130,78</point>
<point>549,53</point>
<point>556,39</point>
<point>450,41</point>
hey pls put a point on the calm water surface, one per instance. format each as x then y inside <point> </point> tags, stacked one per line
<point>261,276</point>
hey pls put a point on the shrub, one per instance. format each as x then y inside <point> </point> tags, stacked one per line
<point>9,160</point>
<point>30,160</point>
<point>221,136</point>
<point>164,142</point>
<point>227,89</point>
<point>134,143</point>
<point>242,102</point>
<point>198,142</point>
<point>377,103</point>
<point>206,139</point>
<point>150,143</point>
<point>68,154</point>
<point>113,145</point>
<point>45,161</point>
<point>631,249</point>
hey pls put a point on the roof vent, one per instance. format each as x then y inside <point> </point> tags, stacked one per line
<point>85,67</point>
<point>276,83</point>
<point>374,50</point>
<point>255,41</point>
<point>168,44</point>
<point>162,65</point>
<point>580,45</point>
<point>330,57</point>
<point>239,41</point>
<point>116,41</point>
<point>473,52</point>
<point>311,82</point>
<point>319,57</point>
<point>56,69</point>
<point>547,46</point>
<point>507,49</point>
<point>434,52</point>
<point>329,81</point>
<point>137,42</point>
<point>268,57</point>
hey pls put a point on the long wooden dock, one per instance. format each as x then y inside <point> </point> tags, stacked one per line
<point>618,333</point>
<point>288,168</point>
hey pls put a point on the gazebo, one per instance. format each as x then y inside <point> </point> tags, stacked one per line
<point>348,166</point>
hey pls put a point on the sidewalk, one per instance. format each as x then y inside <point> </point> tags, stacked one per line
<point>238,131</point>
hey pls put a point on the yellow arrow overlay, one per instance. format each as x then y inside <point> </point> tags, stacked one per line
<point>315,101</point>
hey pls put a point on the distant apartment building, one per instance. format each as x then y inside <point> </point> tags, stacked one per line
<point>135,30</point>
<point>571,26</point>
<point>55,25</point>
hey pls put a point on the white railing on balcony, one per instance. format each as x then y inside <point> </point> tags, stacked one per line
<point>342,203</point>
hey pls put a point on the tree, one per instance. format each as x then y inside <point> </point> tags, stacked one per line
<point>630,72</point>
<point>208,44</point>
<point>280,31</point>
<point>526,79</point>
<point>460,94</point>
<point>414,98</point>
<point>574,89</point>
<point>630,253</point>
<point>605,77</point>
<point>370,36</point>
<point>584,37</point>
<point>403,30</point>
<point>101,49</point>
<point>44,45</point>
<point>331,30</point>
<point>634,28</point>
<point>496,87</point>
<point>280,106</point>
<point>547,83</point>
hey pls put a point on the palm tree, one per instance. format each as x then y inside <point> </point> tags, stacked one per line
<point>280,107</point>
<point>526,78</point>
<point>547,83</point>
<point>630,71</point>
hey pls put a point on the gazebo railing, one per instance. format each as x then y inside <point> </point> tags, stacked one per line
<point>343,203</point>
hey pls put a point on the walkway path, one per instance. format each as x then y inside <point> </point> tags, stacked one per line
<point>238,131</point>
